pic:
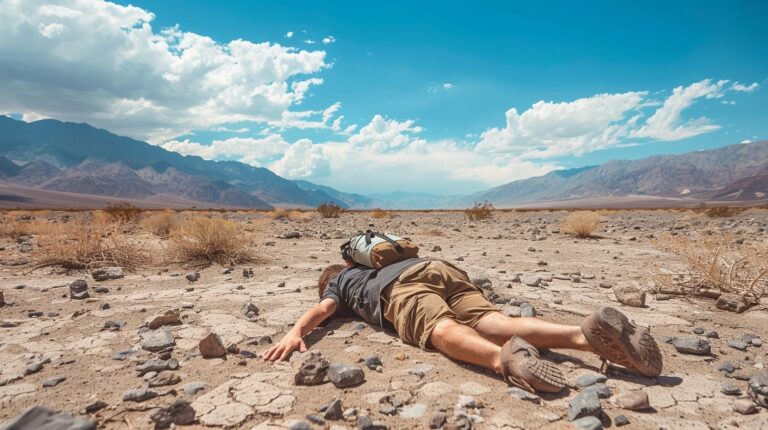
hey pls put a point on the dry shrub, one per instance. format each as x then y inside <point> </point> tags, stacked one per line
<point>330,210</point>
<point>161,224</point>
<point>723,211</point>
<point>299,216</point>
<point>13,228</point>
<point>479,211</point>
<point>278,213</point>
<point>123,212</point>
<point>715,264</point>
<point>379,213</point>
<point>87,243</point>
<point>580,224</point>
<point>204,241</point>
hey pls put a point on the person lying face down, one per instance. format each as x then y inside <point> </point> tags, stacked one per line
<point>432,304</point>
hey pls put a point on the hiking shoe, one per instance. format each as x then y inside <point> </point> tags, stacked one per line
<point>521,366</point>
<point>617,340</point>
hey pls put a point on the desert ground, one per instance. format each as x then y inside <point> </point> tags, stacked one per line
<point>89,356</point>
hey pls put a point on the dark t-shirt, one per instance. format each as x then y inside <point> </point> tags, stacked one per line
<point>357,289</point>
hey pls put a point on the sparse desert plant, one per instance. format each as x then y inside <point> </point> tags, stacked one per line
<point>715,264</point>
<point>723,211</point>
<point>580,224</point>
<point>123,212</point>
<point>14,228</point>
<point>204,241</point>
<point>278,213</point>
<point>161,224</point>
<point>479,211</point>
<point>299,216</point>
<point>330,210</point>
<point>86,243</point>
<point>379,213</point>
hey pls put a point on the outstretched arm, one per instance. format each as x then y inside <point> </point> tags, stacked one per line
<point>293,339</point>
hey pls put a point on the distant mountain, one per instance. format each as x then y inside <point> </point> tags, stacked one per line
<point>406,200</point>
<point>78,158</point>
<point>351,200</point>
<point>731,173</point>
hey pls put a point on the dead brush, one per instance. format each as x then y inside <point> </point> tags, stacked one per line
<point>330,210</point>
<point>13,228</point>
<point>278,213</point>
<point>204,241</point>
<point>84,243</point>
<point>723,211</point>
<point>299,216</point>
<point>581,224</point>
<point>479,211</point>
<point>716,264</point>
<point>161,224</point>
<point>379,214</point>
<point>123,212</point>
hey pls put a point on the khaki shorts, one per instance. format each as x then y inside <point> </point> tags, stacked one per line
<point>428,293</point>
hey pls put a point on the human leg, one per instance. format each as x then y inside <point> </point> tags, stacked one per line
<point>540,333</point>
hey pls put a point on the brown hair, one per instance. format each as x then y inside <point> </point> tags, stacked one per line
<point>329,273</point>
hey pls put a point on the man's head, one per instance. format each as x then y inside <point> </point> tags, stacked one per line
<point>329,273</point>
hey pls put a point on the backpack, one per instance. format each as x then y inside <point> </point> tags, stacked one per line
<point>378,250</point>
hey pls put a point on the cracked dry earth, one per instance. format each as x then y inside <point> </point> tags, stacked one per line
<point>66,339</point>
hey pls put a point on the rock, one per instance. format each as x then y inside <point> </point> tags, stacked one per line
<point>164,378</point>
<point>587,379</point>
<point>107,273</point>
<point>212,347</point>
<point>531,281</point>
<point>523,395</point>
<point>730,389</point>
<point>113,325</point>
<point>691,345</point>
<point>588,423</point>
<point>605,285</point>
<point>2,299</point>
<point>138,395</point>
<point>54,381</point>
<point>179,412</point>
<point>157,340</point>
<point>42,418</point>
<point>195,387</point>
<point>482,282</point>
<point>149,375</point>
<point>527,310</point>
<point>35,366</point>
<point>727,367</point>
<point>315,419</point>
<point>632,400</point>
<point>583,405</point>
<point>413,411</point>
<point>312,371</point>
<point>438,420</point>
<point>698,330</point>
<point>344,376</point>
<point>192,276</point>
<point>758,388</point>
<point>250,310</point>
<point>78,290</point>
<point>621,420</point>
<point>95,406</point>
<point>711,334</point>
<point>124,354</point>
<point>744,406</point>
<point>334,411</point>
<point>757,342</point>
<point>436,248</point>
<point>733,303</point>
<point>170,317</point>
<point>738,344</point>
<point>373,362</point>
<point>629,296</point>
<point>388,410</point>
<point>602,391</point>
<point>365,423</point>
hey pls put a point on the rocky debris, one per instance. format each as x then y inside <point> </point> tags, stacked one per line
<point>2,299</point>
<point>588,423</point>
<point>113,325</point>
<point>583,405</point>
<point>438,420</point>
<point>36,366</point>
<point>605,285</point>
<point>107,273</point>
<point>630,296</point>
<point>124,354</point>
<point>343,376</point>
<point>413,411</point>
<point>78,290</point>
<point>600,389</point>
<point>758,388</point>
<point>591,378</point>
<point>290,235</point>
<point>54,381</point>
<point>312,371</point>
<point>620,420</point>
<point>179,412</point>
<point>157,340</point>
<point>527,310</point>
<point>436,248</point>
<point>733,302</point>
<point>632,400</point>
<point>744,406</point>
<point>138,395</point>
<point>249,310</point>
<point>334,411</point>
<point>43,418</point>
<point>691,345</point>
<point>730,389</point>
<point>531,281</point>
<point>169,317</point>
<point>738,344</point>
<point>95,406</point>
<point>523,395</point>
<point>164,378</point>
<point>365,423</point>
<point>212,347</point>
<point>482,282</point>
<point>373,362</point>
<point>192,276</point>
<point>195,387</point>
<point>728,367</point>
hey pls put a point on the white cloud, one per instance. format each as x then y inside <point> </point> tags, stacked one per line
<point>289,35</point>
<point>746,141</point>
<point>309,41</point>
<point>327,40</point>
<point>448,86</point>
<point>302,160</point>
<point>103,63</point>
<point>744,88</point>
<point>251,151</point>
<point>231,130</point>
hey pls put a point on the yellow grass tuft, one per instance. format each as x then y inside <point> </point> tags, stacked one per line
<point>205,241</point>
<point>123,212</point>
<point>161,224</point>
<point>379,213</point>
<point>278,213</point>
<point>330,210</point>
<point>581,224</point>
<point>479,212</point>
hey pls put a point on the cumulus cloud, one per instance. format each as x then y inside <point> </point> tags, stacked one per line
<point>744,88</point>
<point>327,40</point>
<point>256,152</point>
<point>448,86</point>
<point>103,63</point>
<point>289,35</point>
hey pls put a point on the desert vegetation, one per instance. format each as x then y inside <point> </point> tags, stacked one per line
<point>379,214</point>
<point>203,241</point>
<point>123,212</point>
<point>581,224</point>
<point>330,210</point>
<point>479,211</point>
<point>160,224</point>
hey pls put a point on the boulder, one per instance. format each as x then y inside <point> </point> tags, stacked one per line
<point>691,345</point>
<point>733,303</point>
<point>758,388</point>
<point>107,273</point>
<point>312,371</point>
<point>585,404</point>
<point>42,418</point>
<point>344,376</point>
<point>212,347</point>
<point>629,296</point>
<point>78,290</point>
<point>157,340</point>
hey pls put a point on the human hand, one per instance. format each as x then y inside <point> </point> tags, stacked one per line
<point>283,349</point>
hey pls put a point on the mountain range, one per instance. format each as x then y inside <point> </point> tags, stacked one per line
<point>49,163</point>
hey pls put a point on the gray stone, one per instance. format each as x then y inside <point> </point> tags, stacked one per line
<point>107,273</point>
<point>758,388</point>
<point>727,367</point>
<point>42,418</point>
<point>733,302</point>
<point>588,423</point>
<point>365,423</point>
<point>621,420</point>
<point>312,371</point>
<point>587,379</point>
<point>711,334</point>
<point>629,296</point>
<point>179,412</point>
<point>149,375</point>
<point>194,387</point>
<point>373,362</point>
<point>2,299</point>
<point>531,281</point>
<point>691,345</point>
<point>334,411</point>
<point>124,354</point>
<point>738,344</point>
<point>730,389</point>
<point>315,419</point>
<point>388,410</point>
<point>583,405</point>
<point>438,420</point>
<point>523,395</point>
<point>600,389</point>
<point>157,340</point>
<point>164,378</point>
<point>192,276</point>
<point>212,347</point>
<point>138,395</point>
<point>698,330</point>
<point>757,342</point>
<point>527,310</point>
<point>113,325</point>
<point>632,400</point>
<point>482,282</point>
<point>35,366</point>
<point>54,381</point>
<point>413,411</point>
<point>301,425</point>
<point>744,406</point>
<point>344,376</point>
<point>250,310</point>
<point>78,290</point>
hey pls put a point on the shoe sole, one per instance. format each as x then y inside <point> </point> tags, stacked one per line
<point>613,329</point>
<point>534,374</point>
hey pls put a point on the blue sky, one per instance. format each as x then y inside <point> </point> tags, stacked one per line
<point>426,84</point>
